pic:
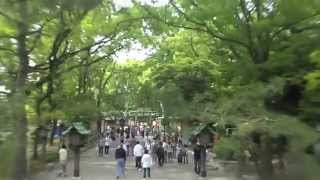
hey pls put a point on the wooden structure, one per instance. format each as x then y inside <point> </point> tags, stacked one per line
<point>77,134</point>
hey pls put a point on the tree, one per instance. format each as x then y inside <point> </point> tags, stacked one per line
<point>44,40</point>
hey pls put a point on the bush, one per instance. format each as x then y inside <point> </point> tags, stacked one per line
<point>227,148</point>
<point>51,157</point>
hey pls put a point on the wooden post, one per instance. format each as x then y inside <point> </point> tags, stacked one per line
<point>35,147</point>
<point>203,161</point>
<point>76,171</point>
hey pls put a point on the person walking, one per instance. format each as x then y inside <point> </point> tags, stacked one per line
<point>146,164</point>
<point>101,144</point>
<point>170,152</point>
<point>179,152</point>
<point>147,145</point>
<point>132,143</point>
<point>127,144</point>
<point>160,154</point>
<point>121,158</point>
<point>154,148</point>
<point>165,148</point>
<point>197,155</point>
<point>107,145</point>
<point>138,152</point>
<point>63,157</point>
<point>174,149</point>
<point>184,154</point>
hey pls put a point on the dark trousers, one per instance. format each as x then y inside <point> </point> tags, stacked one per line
<point>185,159</point>
<point>145,171</point>
<point>170,156</point>
<point>106,150</point>
<point>160,160</point>
<point>100,150</point>
<point>138,162</point>
<point>197,166</point>
<point>165,156</point>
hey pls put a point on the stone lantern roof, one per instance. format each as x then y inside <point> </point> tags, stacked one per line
<point>79,127</point>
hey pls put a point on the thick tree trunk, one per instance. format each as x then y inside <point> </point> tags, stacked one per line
<point>20,166</point>
<point>267,171</point>
<point>53,130</point>
<point>21,124</point>
<point>99,124</point>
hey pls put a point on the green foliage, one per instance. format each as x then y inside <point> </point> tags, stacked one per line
<point>214,61</point>
<point>81,109</point>
<point>227,148</point>
<point>7,149</point>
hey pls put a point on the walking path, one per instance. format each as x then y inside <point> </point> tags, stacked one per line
<point>103,168</point>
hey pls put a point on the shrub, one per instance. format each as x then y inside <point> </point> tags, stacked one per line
<point>227,148</point>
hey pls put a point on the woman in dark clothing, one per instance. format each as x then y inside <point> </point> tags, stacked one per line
<point>121,161</point>
<point>197,155</point>
<point>160,154</point>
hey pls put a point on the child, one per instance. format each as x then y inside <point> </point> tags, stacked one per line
<point>146,163</point>
<point>63,156</point>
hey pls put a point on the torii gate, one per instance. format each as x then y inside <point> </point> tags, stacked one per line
<point>131,118</point>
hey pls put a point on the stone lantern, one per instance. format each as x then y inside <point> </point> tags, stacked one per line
<point>76,134</point>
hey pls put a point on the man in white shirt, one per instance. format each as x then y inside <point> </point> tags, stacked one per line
<point>63,157</point>
<point>138,152</point>
<point>147,145</point>
<point>107,145</point>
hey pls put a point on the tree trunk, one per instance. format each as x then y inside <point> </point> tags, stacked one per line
<point>44,148</point>
<point>54,127</point>
<point>76,171</point>
<point>267,171</point>
<point>36,139</point>
<point>20,165</point>
<point>203,161</point>
<point>35,148</point>
<point>99,124</point>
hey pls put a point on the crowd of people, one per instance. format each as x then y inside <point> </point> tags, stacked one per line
<point>146,150</point>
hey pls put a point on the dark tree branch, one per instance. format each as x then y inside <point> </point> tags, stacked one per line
<point>5,36</point>
<point>8,50</point>
<point>38,35</point>
<point>8,17</point>
<point>46,78</point>
<point>247,22</point>
<point>192,47</point>
<point>292,24</point>
<point>199,26</point>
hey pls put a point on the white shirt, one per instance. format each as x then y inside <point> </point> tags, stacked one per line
<point>146,161</point>
<point>138,150</point>
<point>148,146</point>
<point>125,147</point>
<point>63,155</point>
<point>165,146</point>
<point>108,141</point>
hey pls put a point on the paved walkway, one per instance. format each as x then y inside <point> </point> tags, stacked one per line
<point>103,168</point>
